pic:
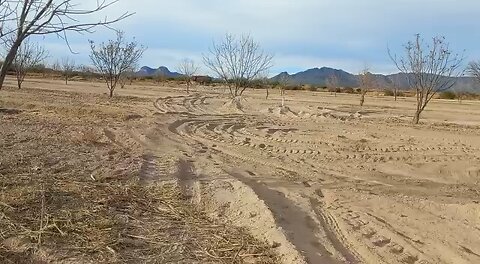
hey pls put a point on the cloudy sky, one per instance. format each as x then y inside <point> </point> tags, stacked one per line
<point>302,34</point>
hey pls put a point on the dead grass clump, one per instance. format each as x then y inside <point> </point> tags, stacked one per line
<point>132,117</point>
<point>87,136</point>
<point>63,202</point>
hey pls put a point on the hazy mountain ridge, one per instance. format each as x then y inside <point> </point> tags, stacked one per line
<point>319,76</point>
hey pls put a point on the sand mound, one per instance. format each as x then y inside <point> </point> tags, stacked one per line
<point>334,114</point>
<point>233,105</point>
<point>284,111</point>
<point>232,200</point>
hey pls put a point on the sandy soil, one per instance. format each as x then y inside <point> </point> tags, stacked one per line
<point>322,181</point>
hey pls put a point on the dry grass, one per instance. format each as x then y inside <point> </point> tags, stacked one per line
<point>77,199</point>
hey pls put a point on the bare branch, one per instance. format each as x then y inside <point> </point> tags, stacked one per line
<point>20,19</point>
<point>474,70</point>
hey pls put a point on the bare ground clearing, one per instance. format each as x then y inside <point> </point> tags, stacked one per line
<point>326,181</point>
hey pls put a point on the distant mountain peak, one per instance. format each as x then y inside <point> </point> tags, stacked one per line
<point>162,70</point>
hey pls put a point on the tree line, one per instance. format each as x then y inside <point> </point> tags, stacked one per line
<point>238,61</point>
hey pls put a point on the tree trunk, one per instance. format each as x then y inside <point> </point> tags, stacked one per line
<point>19,78</point>
<point>66,79</point>
<point>362,99</point>
<point>395,94</point>
<point>8,62</point>
<point>266,97</point>
<point>420,107</point>
<point>111,93</point>
<point>416,117</point>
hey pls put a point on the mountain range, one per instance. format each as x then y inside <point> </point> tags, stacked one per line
<point>320,76</point>
<point>161,71</point>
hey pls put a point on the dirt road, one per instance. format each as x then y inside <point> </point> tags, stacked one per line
<point>343,183</point>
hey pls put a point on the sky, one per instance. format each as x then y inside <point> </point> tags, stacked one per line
<point>301,34</point>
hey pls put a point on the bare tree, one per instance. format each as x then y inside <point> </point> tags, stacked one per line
<point>263,82</point>
<point>474,70</point>
<point>29,55</point>
<point>114,58</point>
<point>367,81</point>
<point>283,82</point>
<point>238,61</point>
<point>160,77</point>
<point>188,69</point>
<point>332,83</point>
<point>68,67</point>
<point>24,18</point>
<point>394,83</point>
<point>431,68</point>
<point>56,66</point>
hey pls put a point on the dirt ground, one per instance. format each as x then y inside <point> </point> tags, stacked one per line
<point>158,176</point>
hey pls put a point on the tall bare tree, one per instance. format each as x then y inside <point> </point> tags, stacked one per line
<point>332,83</point>
<point>367,81</point>
<point>24,18</point>
<point>29,55</point>
<point>68,67</point>
<point>238,61</point>
<point>431,68</point>
<point>188,69</point>
<point>114,58</point>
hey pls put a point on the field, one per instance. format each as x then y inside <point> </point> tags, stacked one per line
<point>156,175</point>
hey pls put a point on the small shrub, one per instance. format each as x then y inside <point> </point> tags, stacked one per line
<point>310,88</point>
<point>348,90</point>
<point>334,90</point>
<point>293,87</point>
<point>389,93</point>
<point>447,95</point>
